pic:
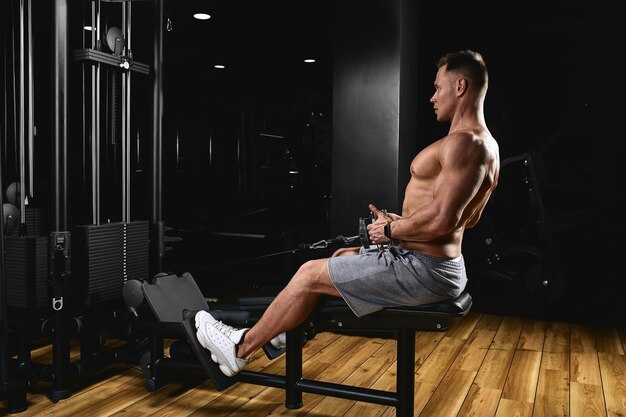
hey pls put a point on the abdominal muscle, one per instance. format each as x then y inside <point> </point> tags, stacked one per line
<point>446,246</point>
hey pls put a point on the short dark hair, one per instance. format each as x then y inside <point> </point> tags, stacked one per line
<point>469,64</point>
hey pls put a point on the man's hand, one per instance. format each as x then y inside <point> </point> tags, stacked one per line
<point>376,230</point>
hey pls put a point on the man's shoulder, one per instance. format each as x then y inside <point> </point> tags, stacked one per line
<point>468,137</point>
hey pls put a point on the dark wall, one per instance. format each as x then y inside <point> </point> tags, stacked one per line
<point>368,84</point>
<point>232,140</point>
<point>550,95</point>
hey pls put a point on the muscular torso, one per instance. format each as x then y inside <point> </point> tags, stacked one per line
<point>425,169</point>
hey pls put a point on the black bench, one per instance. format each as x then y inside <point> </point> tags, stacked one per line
<point>331,314</point>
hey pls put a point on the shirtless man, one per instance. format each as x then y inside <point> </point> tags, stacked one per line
<point>420,261</point>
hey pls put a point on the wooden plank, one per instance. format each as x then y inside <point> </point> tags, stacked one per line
<point>425,343</point>
<point>343,344</point>
<point>331,407</point>
<point>489,322</point>
<point>494,369</point>
<point>449,395</point>
<point>513,408</point>
<point>430,374</point>
<point>481,338</point>
<point>270,398</point>
<point>586,400</point>
<point>438,363</point>
<point>257,400</point>
<point>582,339</point>
<point>621,330</point>
<point>361,409</point>
<point>228,401</point>
<point>557,337</point>
<point>521,383</point>
<point>552,399</point>
<point>608,341</point>
<point>108,398</point>
<point>470,358</point>
<point>480,402</point>
<point>508,334</point>
<point>483,397</point>
<point>613,371</point>
<point>112,379</point>
<point>153,403</point>
<point>585,368</point>
<point>197,399</point>
<point>369,367</point>
<point>464,326</point>
<point>344,365</point>
<point>532,335</point>
<point>319,342</point>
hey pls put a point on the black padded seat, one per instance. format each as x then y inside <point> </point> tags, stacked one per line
<point>432,317</point>
<point>334,313</point>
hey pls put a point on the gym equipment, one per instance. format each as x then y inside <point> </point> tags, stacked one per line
<point>107,255</point>
<point>173,301</point>
<point>115,40</point>
<point>10,217</point>
<point>14,193</point>
<point>515,251</point>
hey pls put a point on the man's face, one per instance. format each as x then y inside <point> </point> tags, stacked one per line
<point>444,97</point>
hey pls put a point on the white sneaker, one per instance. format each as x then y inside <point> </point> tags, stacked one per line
<point>279,341</point>
<point>221,340</point>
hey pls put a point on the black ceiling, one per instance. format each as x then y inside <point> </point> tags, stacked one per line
<point>256,41</point>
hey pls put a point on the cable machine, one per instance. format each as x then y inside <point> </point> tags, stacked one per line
<point>64,276</point>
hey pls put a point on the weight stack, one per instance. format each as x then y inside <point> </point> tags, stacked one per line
<point>26,271</point>
<point>36,222</point>
<point>107,255</point>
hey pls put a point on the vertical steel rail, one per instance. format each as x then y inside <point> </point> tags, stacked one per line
<point>156,238</point>
<point>31,103</point>
<point>59,237</point>
<point>124,120</point>
<point>127,144</point>
<point>22,124</point>
<point>95,117</point>
<point>126,77</point>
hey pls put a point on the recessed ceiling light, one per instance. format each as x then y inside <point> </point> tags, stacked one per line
<point>202,16</point>
<point>309,60</point>
<point>219,66</point>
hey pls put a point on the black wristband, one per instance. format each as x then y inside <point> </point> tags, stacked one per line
<point>388,230</point>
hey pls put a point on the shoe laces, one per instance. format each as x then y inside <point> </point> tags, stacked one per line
<point>224,328</point>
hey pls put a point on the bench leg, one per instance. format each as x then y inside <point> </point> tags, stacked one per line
<point>293,371</point>
<point>405,382</point>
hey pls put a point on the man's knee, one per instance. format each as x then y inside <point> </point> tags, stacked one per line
<point>346,251</point>
<point>311,270</point>
<point>313,275</point>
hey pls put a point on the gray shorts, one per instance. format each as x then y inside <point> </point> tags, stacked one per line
<point>394,277</point>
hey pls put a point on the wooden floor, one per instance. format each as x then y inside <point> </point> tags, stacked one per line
<point>486,365</point>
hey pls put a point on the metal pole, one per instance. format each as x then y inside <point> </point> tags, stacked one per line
<point>127,144</point>
<point>95,119</point>
<point>22,125</point>
<point>124,121</point>
<point>59,237</point>
<point>158,250</point>
<point>31,104</point>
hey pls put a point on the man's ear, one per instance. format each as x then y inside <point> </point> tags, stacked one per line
<point>461,86</point>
